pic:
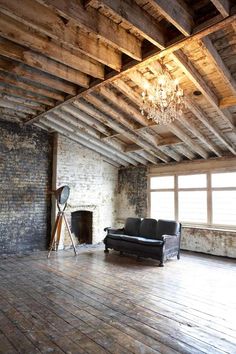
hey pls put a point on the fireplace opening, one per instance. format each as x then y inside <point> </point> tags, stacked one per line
<point>81,224</point>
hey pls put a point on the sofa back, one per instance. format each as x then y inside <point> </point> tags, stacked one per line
<point>148,228</point>
<point>151,228</point>
<point>167,227</point>
<point>132,226</point>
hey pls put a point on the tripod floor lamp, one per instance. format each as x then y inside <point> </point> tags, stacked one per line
<point>61,194</point>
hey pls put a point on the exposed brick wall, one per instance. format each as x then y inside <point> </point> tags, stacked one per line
<point>25,170</point>
<point>93,184</point>
<point>132,193</point>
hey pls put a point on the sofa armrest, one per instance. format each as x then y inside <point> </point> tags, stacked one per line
<point>169,237</point>
<point>111,230</point>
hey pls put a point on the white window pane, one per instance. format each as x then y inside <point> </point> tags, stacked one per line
<point>224,207</point>
<point>164,182</point>
<point>193,207</point>
<point>223,179</point>
<point>192,181</point>
<point>162,205</point>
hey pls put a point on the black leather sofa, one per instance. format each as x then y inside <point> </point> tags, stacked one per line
<point>146,238</point>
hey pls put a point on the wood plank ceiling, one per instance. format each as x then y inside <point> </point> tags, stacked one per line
<point>78,68</point>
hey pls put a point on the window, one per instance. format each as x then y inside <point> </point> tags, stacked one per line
<point>224,198</point>
<point>192,198</point>
<point>201,199</point>
<point>162,197</point>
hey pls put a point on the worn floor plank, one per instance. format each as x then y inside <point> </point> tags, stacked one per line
<point>97,303</point>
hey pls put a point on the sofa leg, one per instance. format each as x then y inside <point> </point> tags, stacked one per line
<point>121,253</point>
<point>161,264</point>
<point>106,250</point>
<point>178,256</point>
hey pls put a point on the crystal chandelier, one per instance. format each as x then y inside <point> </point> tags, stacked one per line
<point>162,98</point>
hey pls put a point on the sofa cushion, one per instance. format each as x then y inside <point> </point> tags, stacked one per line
<point>132,226</point>
<point>167,227</point>
<point>115,236</point>
<point>142,240</point>
<point>136,240</point>
<point>148,228</point>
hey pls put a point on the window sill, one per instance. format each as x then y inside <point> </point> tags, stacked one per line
<point>210,228</point>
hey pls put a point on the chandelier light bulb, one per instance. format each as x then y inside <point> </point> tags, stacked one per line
<point>163,99</point>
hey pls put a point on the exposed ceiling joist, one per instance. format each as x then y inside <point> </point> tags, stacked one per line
<point>190,71</point>
<point>157,55</point>
<point>11,67</point>
<point>227,102</point>
<point>47,22</point>
<point>223,6</point>
<point>20,33</point>
<point>102,26</point>
<point>176,14</point>
<point>198,112</point>
<point>26,56</point>
<point>130,12</point>
<point>211,51</point>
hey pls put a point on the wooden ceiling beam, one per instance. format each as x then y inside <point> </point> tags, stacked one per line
<point>19,33</point>
<point>37,77</point>
<point>128,109</point>
<point>194,129</point>
<point>93,21</point>
<point>185,151</point>
<point>82,127</point>
<point>72,136</point>
<point>176,14</point>
<point>135,98</point>
<point>47,22</point>
<point>223,6</point>
<point>14,51</point>
<point>76,112</point>
<point>214,26</point>
<point>17,92</point>
<point>12,113</point>
<point>146,155</point>
<point>137,78</point>
<point>127,129</point>
<point>86,134</point>
<point>193,75</point>
<point>16,106</point>
<point>133,148</point>
<point>14,81</point>
<point>227,102</point>
<point>208,47</point>
<point>129,11</point>
<point>118,101</point>
<point>188,141</point>
<point>198,112</point>
<point>22,101</point>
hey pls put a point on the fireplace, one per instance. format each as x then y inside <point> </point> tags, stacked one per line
<point>82,225</point>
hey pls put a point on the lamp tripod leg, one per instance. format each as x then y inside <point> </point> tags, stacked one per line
<point>54,232</point>
<point>70,234</point>
<point>59,232</point>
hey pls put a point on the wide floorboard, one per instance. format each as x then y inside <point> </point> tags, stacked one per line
<point>107,303</point>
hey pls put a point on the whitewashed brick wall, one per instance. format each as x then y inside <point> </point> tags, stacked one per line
<point>93,184</point>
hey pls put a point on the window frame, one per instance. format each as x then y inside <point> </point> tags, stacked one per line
<point>209,189</point>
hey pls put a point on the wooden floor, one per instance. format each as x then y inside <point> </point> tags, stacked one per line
<point>97,303</point>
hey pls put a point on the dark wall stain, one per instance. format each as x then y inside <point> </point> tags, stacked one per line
<point>133,182</point>
<point>25,172</point>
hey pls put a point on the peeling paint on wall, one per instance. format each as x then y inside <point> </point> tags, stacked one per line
<point>132,192</point>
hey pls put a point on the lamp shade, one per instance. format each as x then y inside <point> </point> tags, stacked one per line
<point>62,194</point>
